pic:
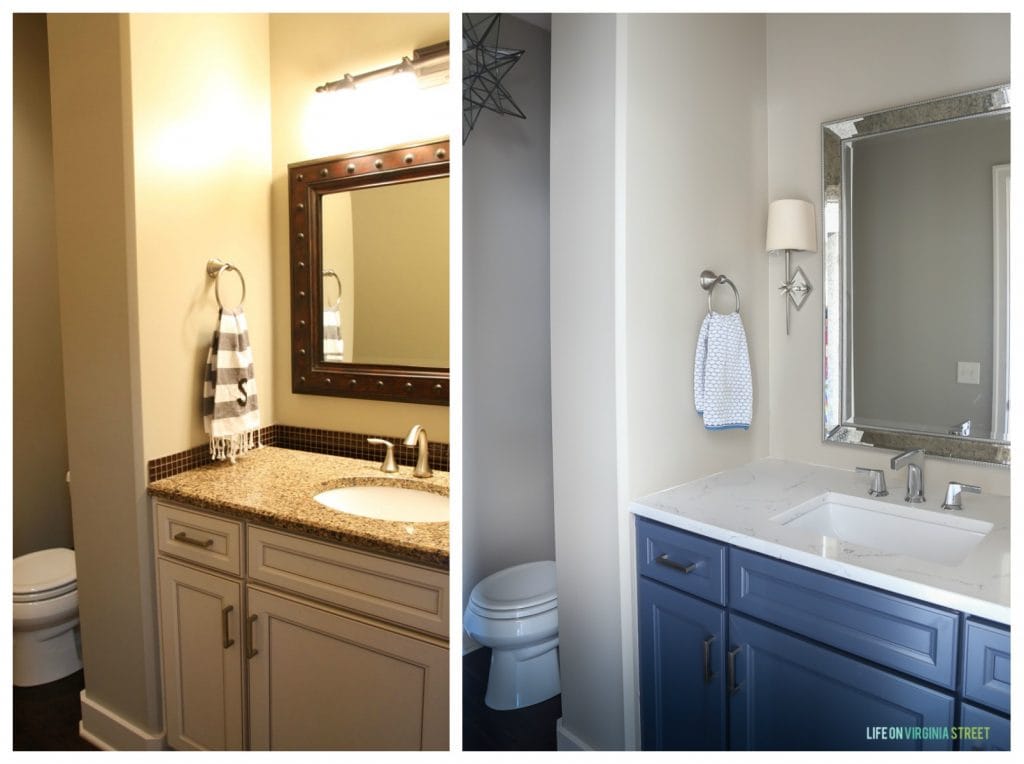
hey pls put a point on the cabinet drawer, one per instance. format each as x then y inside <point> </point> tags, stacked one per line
<point>991,732</point>
<point>393,591</point>
<point>987,665</point>
<point>686,562</point>
<point>210,541</point>
<point>893,631</point>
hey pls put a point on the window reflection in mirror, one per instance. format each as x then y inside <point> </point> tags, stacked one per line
<point>925,314</point>
<point>916,258</point>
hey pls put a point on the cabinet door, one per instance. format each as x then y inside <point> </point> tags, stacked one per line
<point>682,669</point>
<point>789,693</point>
<point>983,730</point>
<point>200,618</point>
<point>325,680</point>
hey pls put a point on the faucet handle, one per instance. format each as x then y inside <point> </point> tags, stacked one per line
<point>953,491</point>
<point>388,465</point>
<point>878,487</point>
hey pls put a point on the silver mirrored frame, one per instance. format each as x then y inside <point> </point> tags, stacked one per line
<point>838,137</point>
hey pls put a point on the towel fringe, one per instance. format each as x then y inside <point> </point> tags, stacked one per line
<point>232,446</point>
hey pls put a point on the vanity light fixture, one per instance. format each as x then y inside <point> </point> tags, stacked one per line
<point>791,226</point>
<point>429,65</point>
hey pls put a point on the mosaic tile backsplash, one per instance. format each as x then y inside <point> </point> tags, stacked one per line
<point>332,442</point>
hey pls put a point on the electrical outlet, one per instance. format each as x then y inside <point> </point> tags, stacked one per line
<point>968,373</point>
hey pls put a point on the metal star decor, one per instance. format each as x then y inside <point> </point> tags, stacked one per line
<point>485,63</point>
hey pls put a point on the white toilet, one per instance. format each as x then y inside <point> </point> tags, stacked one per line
<point>515,613</point>
<point>45,615</point>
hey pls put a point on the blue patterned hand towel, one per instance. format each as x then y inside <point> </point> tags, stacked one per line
<point>722,389</point>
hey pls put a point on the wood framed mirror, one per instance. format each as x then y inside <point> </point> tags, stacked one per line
<point>369,274</point>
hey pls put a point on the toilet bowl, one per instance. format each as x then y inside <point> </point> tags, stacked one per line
<point>45,617</point>
<point>515,613</point>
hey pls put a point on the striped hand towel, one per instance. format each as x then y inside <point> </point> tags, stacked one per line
<point>231,415</point>
<point>334,345</point>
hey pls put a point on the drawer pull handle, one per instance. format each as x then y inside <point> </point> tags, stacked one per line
<point>224,626</point>
<point>685,567</point>
<point>251,651</point>
<point>182,537</point>
<point>730,681</point>
<point>708,675</point>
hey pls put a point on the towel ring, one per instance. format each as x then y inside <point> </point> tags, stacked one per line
<point>709,280</point>
<point>332,272</point>
<point>214,267</point>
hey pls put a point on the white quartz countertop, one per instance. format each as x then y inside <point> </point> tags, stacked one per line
<point>737,506</point>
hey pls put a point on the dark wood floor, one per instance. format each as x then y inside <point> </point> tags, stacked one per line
<point>483,729</point>
<point>46,716</point>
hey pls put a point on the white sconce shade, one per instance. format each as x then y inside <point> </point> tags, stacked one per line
<point>791,226</point>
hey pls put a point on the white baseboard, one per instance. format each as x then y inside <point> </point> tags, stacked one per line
<point>109,732</point>
<point>568,741</point>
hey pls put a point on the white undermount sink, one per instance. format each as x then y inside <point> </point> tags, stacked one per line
<point>387,503</point>
<point>920,533</point>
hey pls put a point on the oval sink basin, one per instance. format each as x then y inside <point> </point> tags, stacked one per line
<point>387,503</point>
<point>919,533</point>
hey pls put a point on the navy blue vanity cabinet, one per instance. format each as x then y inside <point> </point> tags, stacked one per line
<point>682,647</point>
<point>985,731</point>
<point>739,650</point>
<point>986,682</point>
<point>788,693</point>
<point>682,639</point>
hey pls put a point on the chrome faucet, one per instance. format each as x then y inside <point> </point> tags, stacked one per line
<point>418,437</point>
<point>953,492</point>
<point>914,462</point>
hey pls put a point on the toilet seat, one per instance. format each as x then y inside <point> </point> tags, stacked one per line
<point>517,592</point>
<point>44,575</point>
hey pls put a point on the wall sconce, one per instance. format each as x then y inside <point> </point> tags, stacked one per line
<point>429,65</point>
<point>791,226</point>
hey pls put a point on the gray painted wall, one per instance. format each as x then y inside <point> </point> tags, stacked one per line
<point>506,477</point>
<point>922,272</point>
<point>585,425</point>
<point>41,502</point>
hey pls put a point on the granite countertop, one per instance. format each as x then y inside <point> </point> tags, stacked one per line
<point>275,486</point>
<point>737,506</point>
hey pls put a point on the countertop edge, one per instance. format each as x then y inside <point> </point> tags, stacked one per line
<point>916,590</point>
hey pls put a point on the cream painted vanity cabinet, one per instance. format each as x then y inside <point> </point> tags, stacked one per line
<point>271,640</point>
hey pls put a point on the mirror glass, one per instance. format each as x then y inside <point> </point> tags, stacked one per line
<point>385,265</point>
<point>369,274</point>
<point>916,248</point>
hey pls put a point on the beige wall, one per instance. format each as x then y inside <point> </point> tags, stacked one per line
<point>307,50</point>
<point>41,503</point>
<point>201,134</point>
<point>90,101</point>
<point>400,235</point>
<point>822,68</point>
